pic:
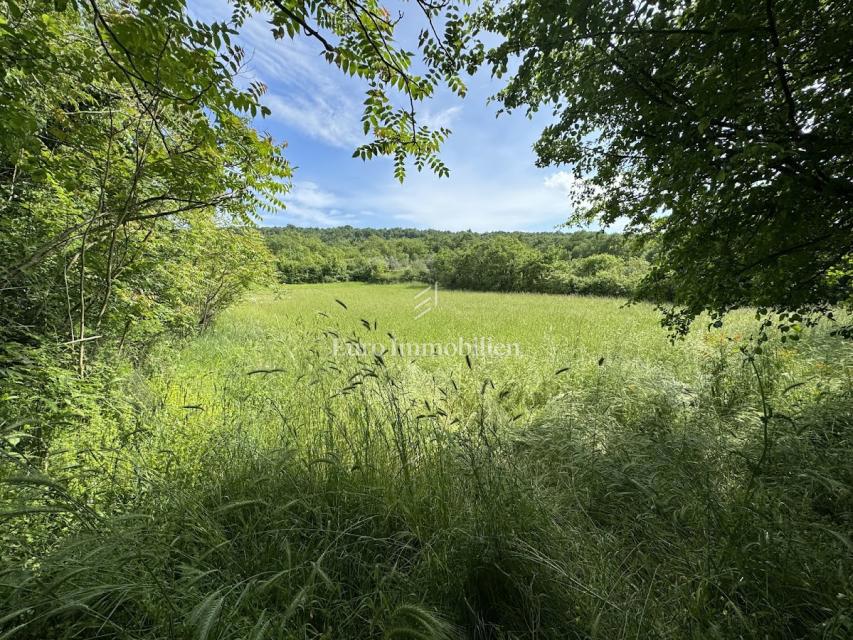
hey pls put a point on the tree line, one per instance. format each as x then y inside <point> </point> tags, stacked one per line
<point>579,262</point>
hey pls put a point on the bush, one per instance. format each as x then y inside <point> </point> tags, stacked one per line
<point>496,264</point>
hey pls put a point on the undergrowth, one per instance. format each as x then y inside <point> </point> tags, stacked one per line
<point>369,498</point>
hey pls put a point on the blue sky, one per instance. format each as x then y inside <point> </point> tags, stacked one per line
<point>316,109</point>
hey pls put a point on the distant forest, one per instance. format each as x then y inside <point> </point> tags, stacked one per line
<point>579,262</point>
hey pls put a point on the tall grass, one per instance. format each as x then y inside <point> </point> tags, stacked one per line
<point>605,484</point>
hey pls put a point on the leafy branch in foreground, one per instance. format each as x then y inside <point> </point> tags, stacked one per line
<point>356,36</point>
<point>359,38</point>
<point>722,126</point>
<point>128,187</point>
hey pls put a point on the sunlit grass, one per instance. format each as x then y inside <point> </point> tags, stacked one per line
<point>565,344</point>
<point>603,482</point>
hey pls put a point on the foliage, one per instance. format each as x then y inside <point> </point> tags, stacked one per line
<point>358,37</point>
<point>499,264</point>
<point>583,262</point>
<point>631,494</point>
<point>597,275</point>
<point>106,221</point>
<point>721,125</point>
<point>126,210</point>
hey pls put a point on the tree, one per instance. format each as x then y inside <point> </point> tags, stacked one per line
<point>109,185</point>
<point>123,131</point>
<point>496,263</point>
<point>130,179</point>
<point>724,126</point>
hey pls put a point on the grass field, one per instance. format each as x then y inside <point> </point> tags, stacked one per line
<point>599,346</point>
<point>597,481</point>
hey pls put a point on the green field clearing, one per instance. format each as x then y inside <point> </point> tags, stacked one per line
<point>274,355</point>
<point>589,340</point>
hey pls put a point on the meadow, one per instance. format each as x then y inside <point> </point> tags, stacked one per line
<point>279,477</point>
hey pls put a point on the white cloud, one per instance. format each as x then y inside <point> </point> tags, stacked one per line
<point>424,201</point>
<point>308,217</point>
<point>309,194</point>
<point>310,95</point>
<point>305,92</point>
<point>314,116</point>
<point>440,118</point>
<point>564,181</point>
<point>308,204</point>
<point>470,201</point>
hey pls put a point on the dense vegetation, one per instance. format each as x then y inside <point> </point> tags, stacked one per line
<point>724,126</point>
<point>125,216</point>
<point>173,468</point>
<point>603,484</point>
<point>581,262</point>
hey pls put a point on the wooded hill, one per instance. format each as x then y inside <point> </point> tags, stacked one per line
<point>585,262</point>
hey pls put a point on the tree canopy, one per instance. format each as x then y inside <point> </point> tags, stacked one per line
<point>580,262</point>
<point>130,173</point>
<point>724,126</point>
<point>118,197</point>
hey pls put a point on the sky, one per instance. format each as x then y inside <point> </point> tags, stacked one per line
<point>316,109</point>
